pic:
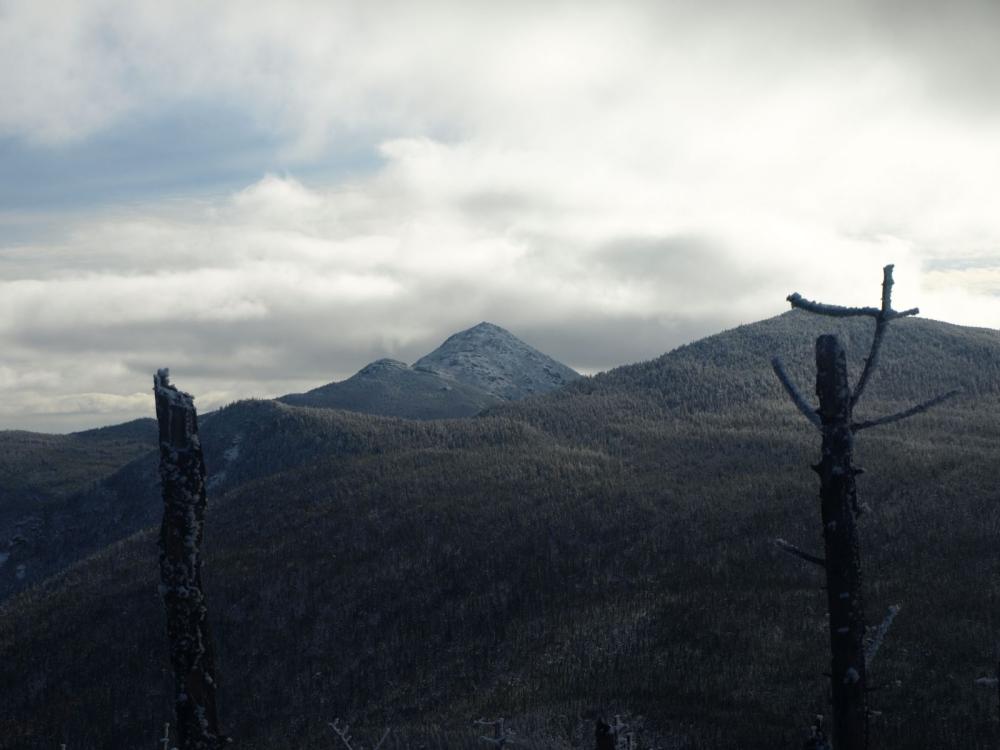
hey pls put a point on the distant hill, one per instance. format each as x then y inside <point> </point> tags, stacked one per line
<point>496,361</point>
<point>471,371</point>
<point>603,548</point>
<point>40,466</point>
<point>392,388</point>
<point>40,473</point>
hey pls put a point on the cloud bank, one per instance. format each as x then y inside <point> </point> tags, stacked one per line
<point>607,181</point>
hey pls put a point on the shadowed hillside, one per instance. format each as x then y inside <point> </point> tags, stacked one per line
<point>607,547</point>
<point>390,388</point>
<point>68,496</point>
<point>39,474</point>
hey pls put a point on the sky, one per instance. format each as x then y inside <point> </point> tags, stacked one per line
<point>265,197</point>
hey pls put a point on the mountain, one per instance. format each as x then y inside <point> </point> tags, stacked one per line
<point>36,466</point>
<point>603,548</point>
<point>471,371</point>
<point>39,474</point>
<point>65,496</point>
<point>493,359</point>
<point>392,388</point>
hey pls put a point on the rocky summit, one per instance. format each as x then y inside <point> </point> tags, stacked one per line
<point>495,360</point>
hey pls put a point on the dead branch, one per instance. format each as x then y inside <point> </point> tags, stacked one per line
<point>344,732</point>
<point>838,311</point>
<point>797,398</point>
<point>385,735</point>
<point>880,325</point>
<point>858,426</point>
<point>878,635</point>
<point>793,550</point>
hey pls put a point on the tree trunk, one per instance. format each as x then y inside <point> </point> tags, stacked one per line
<point>843,559</point>
<point>182,473</point>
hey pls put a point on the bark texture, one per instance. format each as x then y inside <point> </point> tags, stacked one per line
<point>182,474</point>
<point>839,504</point>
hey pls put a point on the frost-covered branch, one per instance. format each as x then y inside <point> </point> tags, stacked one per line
<point>793,550</point>
<point>878,635</point>
<point>838,311</point>
<point>797,398</point>
<point>858,426</point>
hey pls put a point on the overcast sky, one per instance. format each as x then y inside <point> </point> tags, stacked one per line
<point>265,198</point>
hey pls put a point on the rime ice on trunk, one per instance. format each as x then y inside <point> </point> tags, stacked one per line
<point>838,496</point>
<point>182,474</point>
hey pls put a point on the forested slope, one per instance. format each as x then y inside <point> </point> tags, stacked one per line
<point>39,476</point>
<point>605,548</point>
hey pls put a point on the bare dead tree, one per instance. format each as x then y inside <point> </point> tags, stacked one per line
<point>182,474</point>
<point>852,645</point>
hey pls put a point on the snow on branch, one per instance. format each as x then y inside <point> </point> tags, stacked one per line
<point>838,311</point>
<point>834,311</point>
<point>858,426</point>
<point>797,398</point>
<point>885,313</point>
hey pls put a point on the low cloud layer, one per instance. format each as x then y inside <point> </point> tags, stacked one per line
<point>606,182</point>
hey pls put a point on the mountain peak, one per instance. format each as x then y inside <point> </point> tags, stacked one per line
<point>382,366</point>
<point>495,360</point>
<point>481,331</point>
<point>485,325</point>
<point>472,370</point>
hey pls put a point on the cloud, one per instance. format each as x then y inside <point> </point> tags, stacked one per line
<point>608,181</point>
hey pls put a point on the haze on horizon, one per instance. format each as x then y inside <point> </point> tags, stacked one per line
<point>265,199</point>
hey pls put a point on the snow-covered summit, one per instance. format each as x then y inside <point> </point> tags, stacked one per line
<point>495,360</point>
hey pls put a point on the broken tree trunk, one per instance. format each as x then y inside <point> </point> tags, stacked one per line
<point>838,496</point>
<point>182,474</point>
